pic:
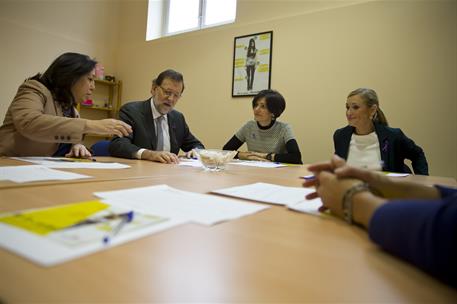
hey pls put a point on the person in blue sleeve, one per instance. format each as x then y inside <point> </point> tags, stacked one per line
<point>415,222</point>
<point>368,142</point>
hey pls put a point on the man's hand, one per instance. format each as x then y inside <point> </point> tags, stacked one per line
<point>160,156</point>
<point>108,127</point>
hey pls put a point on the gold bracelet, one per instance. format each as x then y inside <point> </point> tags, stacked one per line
<point>347,200</point>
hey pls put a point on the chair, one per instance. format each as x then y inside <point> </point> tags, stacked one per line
<point>100,148</point>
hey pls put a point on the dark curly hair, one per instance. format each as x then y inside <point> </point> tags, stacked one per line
<point>275,102</point>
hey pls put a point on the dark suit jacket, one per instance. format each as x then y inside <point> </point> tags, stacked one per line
<point>395,148</point>
<point>138,114</point>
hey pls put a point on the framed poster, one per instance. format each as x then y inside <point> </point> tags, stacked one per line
<point>251,64</point>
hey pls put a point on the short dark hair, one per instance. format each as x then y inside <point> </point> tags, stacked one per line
<point>63,73</point>
<point>169,74</point>
<point>275,102</point>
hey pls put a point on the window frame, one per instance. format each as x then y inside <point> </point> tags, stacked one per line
<point>201,19</point>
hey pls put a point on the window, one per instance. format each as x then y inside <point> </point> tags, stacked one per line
<point>170,17</point>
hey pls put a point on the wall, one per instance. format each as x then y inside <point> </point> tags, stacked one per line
<point>406,50</point>
<point>34,33</point>
<point>321,50</point>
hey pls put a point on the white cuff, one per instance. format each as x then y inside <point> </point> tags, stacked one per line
<point>139,153</point>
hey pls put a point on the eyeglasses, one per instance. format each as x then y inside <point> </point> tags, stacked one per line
<point>169,93</point>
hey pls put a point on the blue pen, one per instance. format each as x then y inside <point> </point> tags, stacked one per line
<point>106,218</point>
<point>309,177</point>
<point>126,218</point>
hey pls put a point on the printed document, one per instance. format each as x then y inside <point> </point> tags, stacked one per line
<point>71,163</point>
<point>169,202</point>
<point>292,197</point>
<point>49,236</point>
<point>33,173</point>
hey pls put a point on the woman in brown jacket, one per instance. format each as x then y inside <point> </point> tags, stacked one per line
<point>42,119</point>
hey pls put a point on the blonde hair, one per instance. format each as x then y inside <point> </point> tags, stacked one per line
<point>370,97</point>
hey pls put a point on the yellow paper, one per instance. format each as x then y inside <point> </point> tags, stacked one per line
<point>44,221</point>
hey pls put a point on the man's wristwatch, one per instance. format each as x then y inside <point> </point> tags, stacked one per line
<point>269,156</point>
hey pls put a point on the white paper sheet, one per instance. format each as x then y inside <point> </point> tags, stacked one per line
<point>261,164</point>
<point>308,206</point>
<point>393,174</point>
<point>266,193</point>
<point>292,197</point>
<point>68,163</point>
<point>190,163</point>
<point>32,173</point>
<point>166,201</point>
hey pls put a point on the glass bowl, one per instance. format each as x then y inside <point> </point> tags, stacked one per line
<point>213,159</point>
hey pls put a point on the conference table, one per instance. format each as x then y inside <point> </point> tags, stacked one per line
<point>276,255</point>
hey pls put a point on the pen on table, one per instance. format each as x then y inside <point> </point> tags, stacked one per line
<point>309,177</point>
<point>127,218</point>
<point>71,159</point>
<point>102,219</point>
<point>82,159</point>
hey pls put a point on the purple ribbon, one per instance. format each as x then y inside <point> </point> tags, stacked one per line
<point>385,146</point>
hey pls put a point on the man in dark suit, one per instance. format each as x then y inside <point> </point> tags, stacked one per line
<point>159,131</point>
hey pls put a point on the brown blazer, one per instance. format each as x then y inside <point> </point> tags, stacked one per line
<point>34,124</point>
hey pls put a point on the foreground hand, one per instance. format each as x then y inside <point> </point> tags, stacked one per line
<point>331,190</point>
<point>160,156</point>
<point>330,166</point>
<point>108,127</point>
<point>79,151</point>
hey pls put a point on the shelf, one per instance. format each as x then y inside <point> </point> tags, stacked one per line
<point>96,108</point>
<point>110,83</point>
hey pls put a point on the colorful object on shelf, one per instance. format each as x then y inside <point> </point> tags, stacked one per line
<point>99,71</point>
<point>88,102</point>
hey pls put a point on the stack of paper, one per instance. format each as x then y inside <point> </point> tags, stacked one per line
<point>54,235</point>
<point>71,163</point>
<point>169,202</point>
<point>292,197</point>
<point>33,173</point>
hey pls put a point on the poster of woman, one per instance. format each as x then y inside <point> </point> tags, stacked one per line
<point>252,63</point>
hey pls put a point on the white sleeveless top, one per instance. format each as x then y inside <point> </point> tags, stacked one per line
<point>364,151</point>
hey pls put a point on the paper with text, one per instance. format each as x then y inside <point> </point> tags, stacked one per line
<point>49,236</point>
<point>71,163</point>
<point>169,202</point>
<point>292,197</point>
<point>260,164</point>
<point>34,173</point>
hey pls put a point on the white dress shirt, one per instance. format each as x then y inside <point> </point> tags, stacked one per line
<point>364,151</point>
<point>165,130</point>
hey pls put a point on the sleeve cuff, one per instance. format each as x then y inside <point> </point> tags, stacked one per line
<point>138,153</point>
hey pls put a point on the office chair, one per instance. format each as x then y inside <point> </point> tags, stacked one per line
<point>100,148</point>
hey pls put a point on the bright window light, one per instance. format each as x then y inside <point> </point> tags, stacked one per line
<point>171,17</point>
<point>183,15</point>
<point>219,11</point>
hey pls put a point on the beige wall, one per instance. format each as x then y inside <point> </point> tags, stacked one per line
<point>35,32</point>
<point>406,50</point>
